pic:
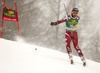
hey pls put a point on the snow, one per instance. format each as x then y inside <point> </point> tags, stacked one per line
<point>18,57</point>
<point>96,5</point>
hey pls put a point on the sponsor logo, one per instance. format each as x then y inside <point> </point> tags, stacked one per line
<point>11,12</point>
<point>73,20</point>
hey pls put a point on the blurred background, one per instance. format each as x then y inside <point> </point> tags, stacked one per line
<point>35,17</point>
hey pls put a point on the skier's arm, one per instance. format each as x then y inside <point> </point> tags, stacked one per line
<point>65,19</point>
<point>60,21</point>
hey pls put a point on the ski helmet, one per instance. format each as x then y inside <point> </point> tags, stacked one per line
<point>75,10</point>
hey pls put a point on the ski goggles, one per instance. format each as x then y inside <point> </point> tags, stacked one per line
<point>75,13</point>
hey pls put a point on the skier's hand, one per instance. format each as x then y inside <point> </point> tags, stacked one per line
<point>53,23</point>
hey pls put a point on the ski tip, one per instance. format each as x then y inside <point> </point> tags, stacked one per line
<point>72,62</point>
<point>84,64</point>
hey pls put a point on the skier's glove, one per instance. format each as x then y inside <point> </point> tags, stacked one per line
<point>53,23</point>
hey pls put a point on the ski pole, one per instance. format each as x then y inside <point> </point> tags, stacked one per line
<point>65,9</point>
<point>44,35</point>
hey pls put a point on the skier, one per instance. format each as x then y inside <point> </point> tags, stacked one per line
<point>71,33</point>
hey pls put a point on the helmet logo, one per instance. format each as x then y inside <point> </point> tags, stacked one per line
<point>75,9</point>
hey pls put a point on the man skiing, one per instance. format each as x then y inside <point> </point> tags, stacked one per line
<point>71,33</point>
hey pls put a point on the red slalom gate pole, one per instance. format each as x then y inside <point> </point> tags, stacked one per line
<point>3,2</point>
<point>2,18</point>
<point>18,28</point>
<point>2,28</point>
<point>15,6</point>
<point>17,20</point>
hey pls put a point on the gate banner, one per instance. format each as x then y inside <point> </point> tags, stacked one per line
<point>10,14</point>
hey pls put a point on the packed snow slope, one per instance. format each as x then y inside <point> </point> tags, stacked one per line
<point>18,57</point>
